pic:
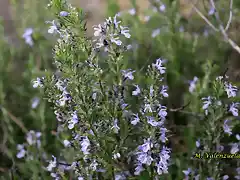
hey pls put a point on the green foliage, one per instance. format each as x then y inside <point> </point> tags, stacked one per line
<point>189,47</point>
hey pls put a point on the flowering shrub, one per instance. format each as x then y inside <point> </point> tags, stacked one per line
<point>122,99</point>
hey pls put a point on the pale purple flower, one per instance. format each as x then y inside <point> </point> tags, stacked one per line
<point>33,138</point>
<point>53,28</point>
<point>94,165</point>
<point>211,11</point>
<point>38,83</point>
<point>147,108</point>
<point>162,8</point>
<point>198,143</point>
<point>137,91</point>
<point>139,168</point>
<point>163,137</point>
<point>146,18</point>
<point>197,177</point>
<point>35,102</point>
<point>115,127</point>
<point>85,143</point>
<point>116,156</point>
<point>206,32</point>
<point>220,148</point>
<point>120,177</point>
<point>151,90</point>
<point>66,143</point>
<point>233,109</point>
<point>115,39</point>
<point>207,102</point>
<point>63,13</point>
<point>225,177</point>
<point>125,31</point>
<point>152,122</point>
<point>158,65</point>
<point>192,85</point>
<point>155,32</point>
<point>52,164</point>
<point>164,91</point>
<point>132,11</point>
<point>27,35</point>
<point>144,158</point>
<point>135,119</point>
<point>210,178</point>
<point>234,148</point>
<point>227,129</point>
<point>162,112</point>
<point>238,173</point>
<point>128,74</point>
<point>187,172</point>
<point>115,22</point>
<point>238,137</point>
<point>73,121</point>
<point>21,151</point>
<point>181,29</point>
<point>146,146</point>
<point>230,90</point>
<point>162,164</point>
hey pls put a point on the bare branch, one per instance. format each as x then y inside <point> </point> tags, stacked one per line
<point>221,28</point>
<point>230,16</point>
<point>204,18</point>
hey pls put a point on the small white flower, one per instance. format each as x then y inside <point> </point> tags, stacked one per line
<point>164,91</point>
<point>147,108</point>
<point>233,109</point>
<point>35,102</point>
<point>63,13</point>
<point>159,65</point>
<point>230,90</point>
<point>94,165</point>
<point>128,74</point>
<point>52,164</point>
<point>115,127</point>
<point>234,148</point>
<point>28,36</point>
<point>124,31</point>
<point>73,121</point>
<point>155,32</point>
<point>53,28</point>
<point>85,143</point>
<point>193,84</point>
<point>162,8</point>
<point>132,11</point>
<point>22,151</point>
<point>135,119</point>
<point>116,156</point>
<point>137,91</point>
<point>147,18</point>
<point>66,143</point>
<point>38,83</point>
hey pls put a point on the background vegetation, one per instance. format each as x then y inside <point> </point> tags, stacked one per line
<point>175,32</point>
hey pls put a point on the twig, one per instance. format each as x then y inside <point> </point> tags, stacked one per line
<point>221,28</point>
<point>230,16</point>
<point>204,18</point>
<point>16,120</point>
<point>180,108</point>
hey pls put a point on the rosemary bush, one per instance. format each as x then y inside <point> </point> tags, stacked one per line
<point>123,104</point>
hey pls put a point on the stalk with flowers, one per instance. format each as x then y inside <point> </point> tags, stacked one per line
<point>115,127</point>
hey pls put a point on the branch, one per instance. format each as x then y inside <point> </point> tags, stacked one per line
<point>221,29</point>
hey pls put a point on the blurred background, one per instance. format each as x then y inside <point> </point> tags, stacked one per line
<point>174,31</point>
